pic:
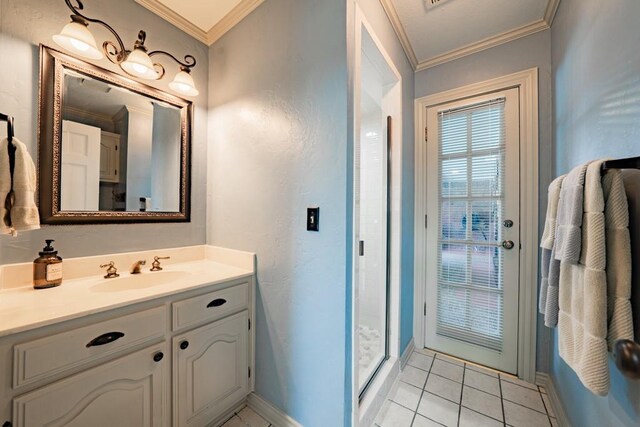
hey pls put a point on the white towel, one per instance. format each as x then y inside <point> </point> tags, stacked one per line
<point>582,321</point>
<point>546,243</point>
<point>619,313</point>
<point>24,214</point>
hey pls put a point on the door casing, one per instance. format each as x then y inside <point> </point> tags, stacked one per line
<point>527,83</point>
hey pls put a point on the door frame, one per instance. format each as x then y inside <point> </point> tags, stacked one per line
<point>527,83</point>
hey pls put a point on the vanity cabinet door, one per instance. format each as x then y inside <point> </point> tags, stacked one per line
<point>211,371</point>
<point>128,392</point>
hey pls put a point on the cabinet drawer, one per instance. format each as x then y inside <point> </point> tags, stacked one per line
<point>44,357</point>
<point>211,306</point>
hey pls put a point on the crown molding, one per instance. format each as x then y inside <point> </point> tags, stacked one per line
<point>489,42</point>
<point>550,12</point>
<point>391,12</point>
<point>237,14</point>
<point>484,44</point>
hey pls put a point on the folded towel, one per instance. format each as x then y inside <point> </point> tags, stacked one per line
<point>569,220</point>
<point>546,243</point>
<point>619,313</point>
<point>582,321</point>
<point>24,213</point>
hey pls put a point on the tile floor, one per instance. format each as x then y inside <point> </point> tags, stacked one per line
<point>436,390</point>
<point>247,417</point>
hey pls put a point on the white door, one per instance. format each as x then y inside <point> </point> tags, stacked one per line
<point>211,370</point>
<point>80,176</point>
<point>473,229</point>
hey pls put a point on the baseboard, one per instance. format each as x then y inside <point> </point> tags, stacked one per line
<point>546,381</point>
<point>270,413</point>
<point>407,354</point>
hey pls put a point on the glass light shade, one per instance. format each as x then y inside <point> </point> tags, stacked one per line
<point>139,64</point>
<point>183,83</point>
<point>77,38</point>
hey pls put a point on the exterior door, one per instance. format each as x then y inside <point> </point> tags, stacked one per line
<point>473,229</point>
<point>80,167</point>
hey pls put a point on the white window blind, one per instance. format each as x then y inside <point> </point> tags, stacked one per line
<point>471,160</point>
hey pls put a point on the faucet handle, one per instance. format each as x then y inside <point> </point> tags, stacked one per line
<point>112,271</point>
<point>155,265</point>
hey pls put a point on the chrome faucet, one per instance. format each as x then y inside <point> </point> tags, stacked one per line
<point>135,268</point>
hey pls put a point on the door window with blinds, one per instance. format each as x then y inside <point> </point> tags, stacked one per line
<point>472,229</point>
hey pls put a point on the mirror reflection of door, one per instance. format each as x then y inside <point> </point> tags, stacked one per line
<point>80,166</point>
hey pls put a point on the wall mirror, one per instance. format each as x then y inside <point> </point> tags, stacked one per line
<point>110,149</point>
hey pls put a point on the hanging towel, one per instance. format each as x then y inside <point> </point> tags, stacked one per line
<point>619,313</point>
<point>24,213</point>
<point>548,239</point>
<point>582,321</point>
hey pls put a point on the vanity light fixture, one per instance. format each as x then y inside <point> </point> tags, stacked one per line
<point>76,37</point>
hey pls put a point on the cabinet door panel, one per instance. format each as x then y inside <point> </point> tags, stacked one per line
<point>128,392</point>
<point>211,372</point>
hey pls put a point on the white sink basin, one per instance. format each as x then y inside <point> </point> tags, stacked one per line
<point>138,281</point>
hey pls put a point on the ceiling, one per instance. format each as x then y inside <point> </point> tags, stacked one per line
<point>434,34</point>
<point>206,20</point>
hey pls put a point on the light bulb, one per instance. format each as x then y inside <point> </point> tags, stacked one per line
<point>76,37</point>
<point>183,83</point>
<point>138,63</point>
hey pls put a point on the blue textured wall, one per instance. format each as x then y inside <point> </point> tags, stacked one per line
<point>596,70</point>
<point>278,144</point>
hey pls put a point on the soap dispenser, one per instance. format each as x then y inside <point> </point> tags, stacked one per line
<point>47,268</point>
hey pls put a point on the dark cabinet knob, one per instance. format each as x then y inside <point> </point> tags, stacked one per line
<point>184,345</point>
<point>158,356</point>
<point>7,424</point>
<point>103,339</point>
<point>217,302</point>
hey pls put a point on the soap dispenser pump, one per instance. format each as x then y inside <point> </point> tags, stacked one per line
<point>47,268</point>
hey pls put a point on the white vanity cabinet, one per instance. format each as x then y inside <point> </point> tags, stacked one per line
<point>211,369</point>
<point>127,392</point>
<point>179,360</point>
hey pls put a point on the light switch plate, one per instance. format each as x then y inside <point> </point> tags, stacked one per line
<point>313,219</point>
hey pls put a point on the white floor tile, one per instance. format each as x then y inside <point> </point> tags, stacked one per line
<point>482,382</point>
<point>420,361</point>
<point>519,416</point>
<point>405,394</point>
<point>469,418</point>
<point>439,409</point>
<point>413,376</point>
<point>450,359</point>
<point>234,422</point>
<point>426,352</point>
<point>547,405</point>
<point>484,403</point>
<point>249,417</point>
<point>444,387</point>
<point>518,381</point>
<point>420,421</point>
<point>447,370</point>
<point>523,396</point>
<point>394,415</point>
<point>485,371</point>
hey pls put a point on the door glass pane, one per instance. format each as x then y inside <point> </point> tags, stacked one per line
<point>471,171</point>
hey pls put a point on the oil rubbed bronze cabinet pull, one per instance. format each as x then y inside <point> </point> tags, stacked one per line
<point>158,356</point>
<point>217,302</point>
<point>103,339</point>
<point>184,345</point>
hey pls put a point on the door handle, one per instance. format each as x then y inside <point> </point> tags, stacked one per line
<point>508,244</point>
<point>103,339</point>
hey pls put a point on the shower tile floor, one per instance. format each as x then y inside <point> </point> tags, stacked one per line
<point>437,390</point>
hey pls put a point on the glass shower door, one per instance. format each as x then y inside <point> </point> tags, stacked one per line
<point>372,203</point>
